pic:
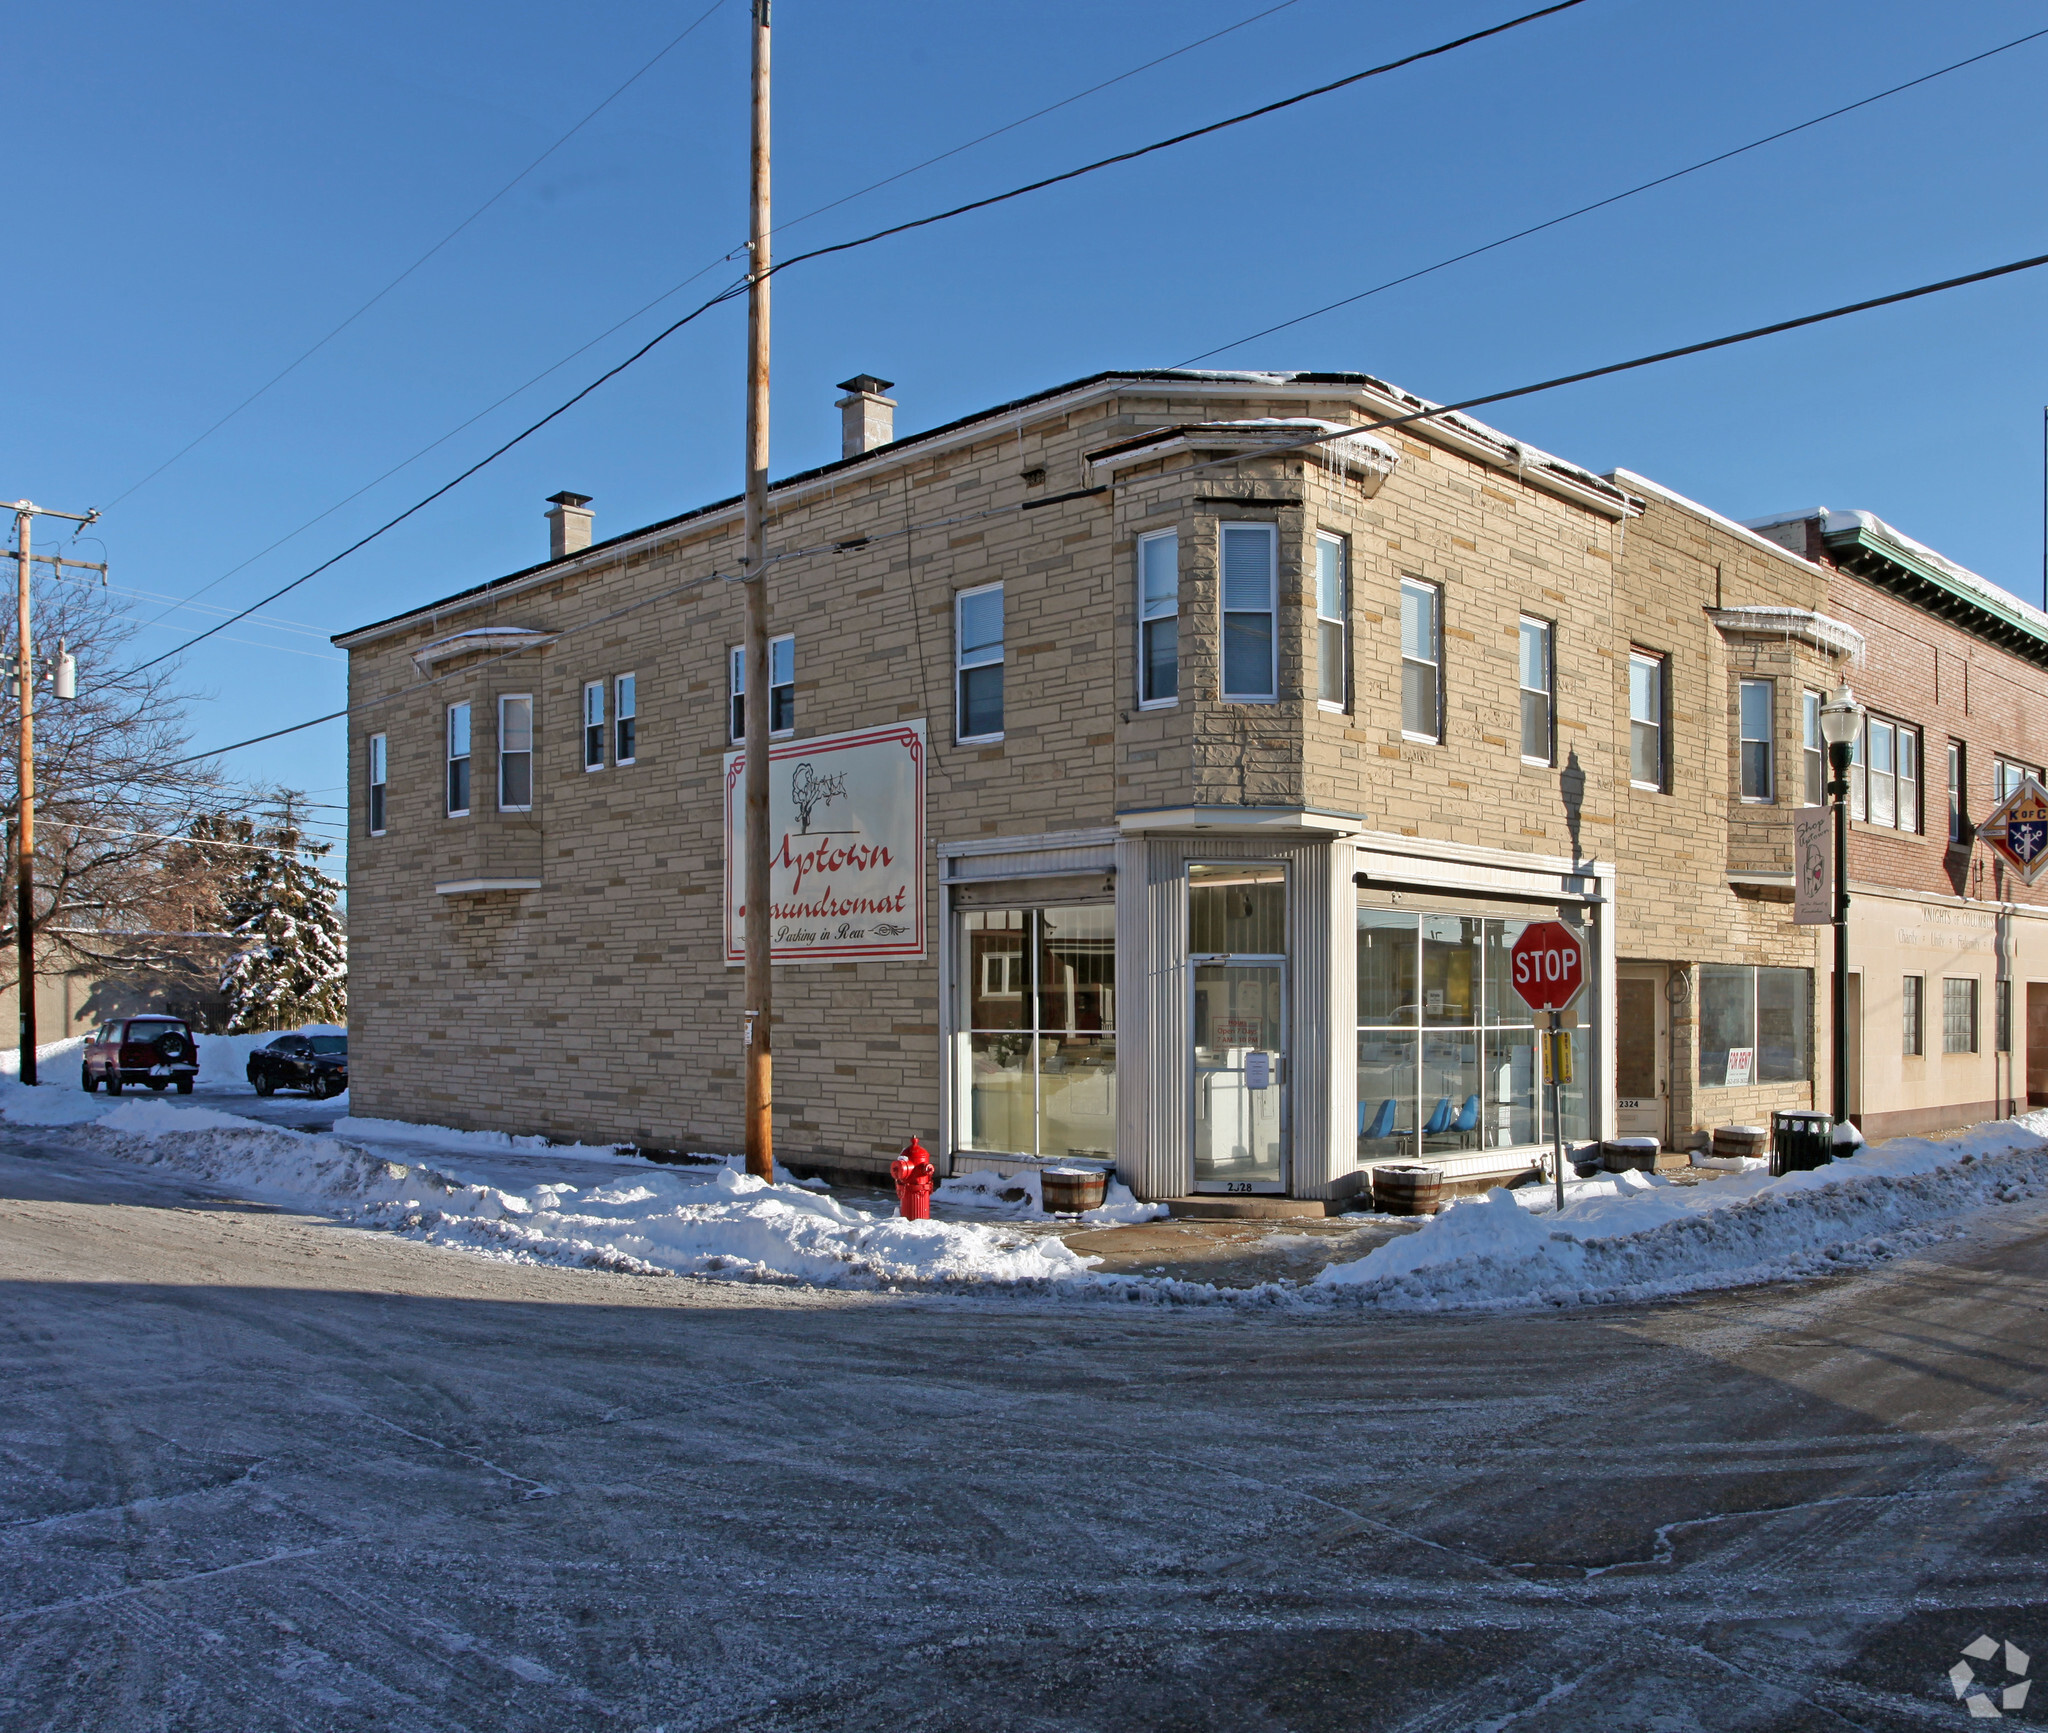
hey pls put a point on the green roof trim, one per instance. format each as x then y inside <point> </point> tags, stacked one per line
<point>1903,568</point>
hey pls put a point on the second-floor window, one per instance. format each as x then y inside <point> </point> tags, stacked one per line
<point>376,791</point>
<point>458,760</point>
<point>1159,618</point>
<point>781,688</point>
<point>1646,758</point>
<point>515,753</point>
<point>625,719</point>
<point>1958,804</point>
<point>1536,676</point>
<point>978,663</point>
<point>1249,641</point>
<point>1422,654</point>
<point>1333,656</point>
<point>1884,776</point>
<point>2007,774</point>
<point>1813,750</point>
<point>1756,738</point>
<point>593,725</point>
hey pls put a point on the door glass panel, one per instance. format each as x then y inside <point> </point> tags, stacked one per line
<point>1240,1075</point>
<point>1635,1039</point>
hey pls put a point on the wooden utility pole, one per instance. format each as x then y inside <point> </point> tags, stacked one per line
<point>25,514</point>
<point>759,983</point>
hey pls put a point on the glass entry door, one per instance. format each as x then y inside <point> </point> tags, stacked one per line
<point>1240,1042</point>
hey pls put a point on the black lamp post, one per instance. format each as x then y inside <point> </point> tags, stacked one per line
<point>1841,720</point>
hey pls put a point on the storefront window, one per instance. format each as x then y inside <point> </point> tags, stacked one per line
<point>1038,1015</point>
<point>1754,1026</point>
<point>1446,1049</point>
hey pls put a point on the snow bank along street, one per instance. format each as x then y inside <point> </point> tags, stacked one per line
<point>260,1471</point>
<point>1624,1238</point>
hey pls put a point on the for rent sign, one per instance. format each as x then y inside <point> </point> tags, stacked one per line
<point>846,846</point>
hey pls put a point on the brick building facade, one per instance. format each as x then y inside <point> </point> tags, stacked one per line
<point>1286,746</point>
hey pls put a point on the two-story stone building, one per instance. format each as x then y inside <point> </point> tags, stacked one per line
<point>1243,765</point>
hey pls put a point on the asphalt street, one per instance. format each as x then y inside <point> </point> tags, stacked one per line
<point>260,1471</point>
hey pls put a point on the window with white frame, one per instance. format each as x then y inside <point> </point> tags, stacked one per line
<point>1536,675</point>
<point>1646,755</point>
<point>1884,775</point>
<point>781,688</point>
<point>1958,803</point>
<point>1159,618</point>
<point>978,663</point>
<point>1912,1036</point>
<point>593,725</point>
<point>1959,1014</point>
<point>1422,654</point>
<point>1250,645</point>
<point>458,761</point>
<point>375,804</point>
<point>2007,774</point>
<point>1333,612</point>
<point>515,752</point>
<point>1813,750</point>
<point>625,719</point>
<point>1756,738</point>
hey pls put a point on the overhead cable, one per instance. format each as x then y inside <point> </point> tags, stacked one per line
<point>1612,199</point>
<point>740,288</point>
<point>293,367</point>
<point>1428,414</point>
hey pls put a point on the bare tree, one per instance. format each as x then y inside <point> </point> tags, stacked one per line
<point>118,888</point>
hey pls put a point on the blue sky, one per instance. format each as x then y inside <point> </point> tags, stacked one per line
<point>211,188</point>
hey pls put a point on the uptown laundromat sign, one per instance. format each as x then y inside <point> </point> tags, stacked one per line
<point>846,846</point>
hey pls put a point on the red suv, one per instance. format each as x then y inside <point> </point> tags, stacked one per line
<point>158,1051</point>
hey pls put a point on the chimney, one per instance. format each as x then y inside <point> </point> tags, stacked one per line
<point>568,524</point>
<point>867,418</point>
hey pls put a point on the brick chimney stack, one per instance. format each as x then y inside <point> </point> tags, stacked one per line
<point>867,417</point>
<point>568,524</point>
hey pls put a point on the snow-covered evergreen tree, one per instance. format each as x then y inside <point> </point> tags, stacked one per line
<point>290,963</point>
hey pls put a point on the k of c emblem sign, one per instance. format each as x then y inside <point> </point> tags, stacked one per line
<point>2018,829</point>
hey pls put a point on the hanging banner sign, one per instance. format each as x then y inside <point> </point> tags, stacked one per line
<point>846,846</point>
<point>2018,829</point>
<point>1813,867</point>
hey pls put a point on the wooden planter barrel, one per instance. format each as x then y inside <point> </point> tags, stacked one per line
<point>1071,1190</point>
<point>1408,1189</point>
<point>1618,1154</point>
<point>1744,1140</point>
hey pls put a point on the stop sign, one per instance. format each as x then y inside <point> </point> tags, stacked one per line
<point>1548,966</point>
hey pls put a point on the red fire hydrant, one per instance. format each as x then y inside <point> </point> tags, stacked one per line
<point>916,1179</point>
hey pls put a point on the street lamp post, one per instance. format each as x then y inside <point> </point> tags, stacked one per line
<point>1841,721</point>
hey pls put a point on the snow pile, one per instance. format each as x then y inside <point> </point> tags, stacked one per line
<point>648,1220</point>
<point>1019,1196</point>
<point>475,1142</point>
<point>1636,1236</point>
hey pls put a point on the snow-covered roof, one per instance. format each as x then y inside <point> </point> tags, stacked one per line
<point>480,638</point>
<point>1822,631</point>
<point>1358,453</point>
<point>1873,532</point>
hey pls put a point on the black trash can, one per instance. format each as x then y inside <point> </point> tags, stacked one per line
<point>1801,1140</point>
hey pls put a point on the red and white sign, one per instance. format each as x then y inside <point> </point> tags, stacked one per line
<point>1547,966</point>
<point>846,835</point>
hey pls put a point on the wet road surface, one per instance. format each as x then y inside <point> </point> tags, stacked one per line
<point>260,1471</point>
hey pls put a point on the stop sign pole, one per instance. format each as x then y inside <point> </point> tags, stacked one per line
<point>1547,966</point>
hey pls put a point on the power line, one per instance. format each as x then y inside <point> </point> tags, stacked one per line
<point>1611,199</point>
<point>417,263</point>
<point>863,241</point>
<point>677,288</point>
<point>1308,443</point>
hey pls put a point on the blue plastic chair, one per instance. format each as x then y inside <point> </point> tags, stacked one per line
<point>1468,1117</point>
<point>1439,1119</point>
<point>1382,1121</point>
